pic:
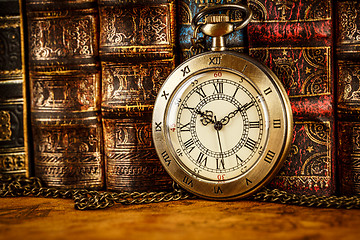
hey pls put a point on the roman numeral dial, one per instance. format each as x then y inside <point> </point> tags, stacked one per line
<point>219,124</point>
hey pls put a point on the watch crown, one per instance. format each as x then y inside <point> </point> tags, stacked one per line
<point>216,18</point>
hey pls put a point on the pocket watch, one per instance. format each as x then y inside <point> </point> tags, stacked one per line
<point>222,121</point>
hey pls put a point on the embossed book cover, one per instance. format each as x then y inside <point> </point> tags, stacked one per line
<point>13,154</point>
<point>65,92</point>
<point>348,94</point>
<point>137,41</point>
<point>294,38</point>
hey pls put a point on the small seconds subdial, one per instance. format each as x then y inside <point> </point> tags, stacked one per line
<point>218,120</point>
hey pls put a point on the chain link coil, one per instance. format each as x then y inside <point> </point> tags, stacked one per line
<point>91,200</point>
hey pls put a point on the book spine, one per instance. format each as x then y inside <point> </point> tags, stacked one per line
<point>187,9</point>
<point>348,99</point>
<point>295,39</point>
<point>64,84</point>
<point>13,153</point>
<point>137,54</point>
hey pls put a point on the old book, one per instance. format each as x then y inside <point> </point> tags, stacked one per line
<point>137,40</point>
<point>348,95</point>
<point>187,9</point>
<point>64,84</point>
<point>13,128</point>
<point>294,38</point>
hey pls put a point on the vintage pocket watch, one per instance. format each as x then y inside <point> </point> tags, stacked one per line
<point>222,121</point>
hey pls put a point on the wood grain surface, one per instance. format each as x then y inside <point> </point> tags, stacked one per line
<point>43,218</point>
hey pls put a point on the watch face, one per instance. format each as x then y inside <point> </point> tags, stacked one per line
<point>218,120</point>
<point>222,125</point>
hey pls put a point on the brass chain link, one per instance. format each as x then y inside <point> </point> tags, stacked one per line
<point>84,199</point>
<point>277,196</point>
<point>197,43</point>
<point>90,200</point>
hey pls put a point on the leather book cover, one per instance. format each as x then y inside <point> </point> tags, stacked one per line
<point>187,9</point>
<point>137,42</point>
<point>137,30</point>
<point>347,19</point>
<point>294,39</point>
<point>13,153</point>
<point>64,84</point>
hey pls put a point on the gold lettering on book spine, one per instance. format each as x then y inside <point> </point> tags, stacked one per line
<point>131,159</point>
<point>5,126</point>
<point>72,92</point>
<point>349,157</point>
<point>130,84</point>
<point>314,157</point>
<point>69,154</point>
<point>12,162</point>
<point>137,31</point>
<point>349,24</point>
<point>61,38</point>
<point>304,71</point>
<point>314,10</point>
<point>349,86</point>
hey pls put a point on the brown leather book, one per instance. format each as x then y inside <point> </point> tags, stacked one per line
<point>64,84</point>
<point>348,95</point>
<point>13,128</point>
<point>137,40</point>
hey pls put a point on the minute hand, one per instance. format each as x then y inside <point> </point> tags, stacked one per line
<point>225,120</point>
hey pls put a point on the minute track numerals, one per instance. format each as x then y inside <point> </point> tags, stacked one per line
<point>219,124</point>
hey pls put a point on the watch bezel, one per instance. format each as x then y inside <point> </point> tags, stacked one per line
<point>278,107</point>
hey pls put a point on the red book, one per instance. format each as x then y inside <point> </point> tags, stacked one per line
<point>294,39</point>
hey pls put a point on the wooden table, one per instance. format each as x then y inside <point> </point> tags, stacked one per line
<point>45,218</point>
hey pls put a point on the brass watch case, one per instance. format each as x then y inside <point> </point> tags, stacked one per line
<point>279,135</point>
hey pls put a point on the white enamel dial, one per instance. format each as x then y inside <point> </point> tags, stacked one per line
<point>218,119</point>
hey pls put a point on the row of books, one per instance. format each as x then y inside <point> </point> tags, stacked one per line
<point>78,81</point>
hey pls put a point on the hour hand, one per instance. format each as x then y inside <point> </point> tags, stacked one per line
<point>206,117</point>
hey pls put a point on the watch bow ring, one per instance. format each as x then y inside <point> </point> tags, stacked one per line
<point>222,121</point>
<point>219,25</point>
